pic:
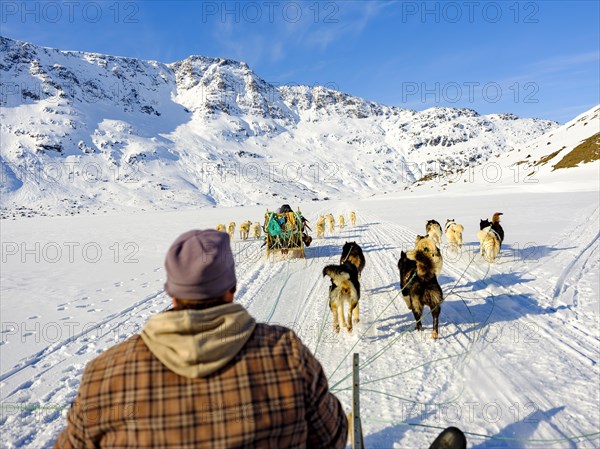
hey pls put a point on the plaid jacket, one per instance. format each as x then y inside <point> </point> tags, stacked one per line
<point>273,394</point>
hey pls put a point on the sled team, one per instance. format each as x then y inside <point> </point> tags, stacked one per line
<point>419,268</point>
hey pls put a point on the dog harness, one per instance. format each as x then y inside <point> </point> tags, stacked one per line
<point>497,235</point>
<point>347,255</point>
<point>409,281</point>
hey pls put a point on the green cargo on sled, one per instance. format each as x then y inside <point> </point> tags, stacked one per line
<point>285,234</point>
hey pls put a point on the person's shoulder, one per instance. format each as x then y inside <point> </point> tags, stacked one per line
<point>118,354</point>
<point>275,336</point>
<point>273,332</point>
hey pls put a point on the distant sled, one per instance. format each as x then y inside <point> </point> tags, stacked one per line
<point>286,233</point>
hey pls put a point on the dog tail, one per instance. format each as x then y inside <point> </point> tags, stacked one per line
<point>345,289</point>
<point>434,295</point>
<point>425,266</point>
<point>336,274</point>
<point>481,234</point>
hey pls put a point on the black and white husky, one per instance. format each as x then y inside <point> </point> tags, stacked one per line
<point>344,290</point>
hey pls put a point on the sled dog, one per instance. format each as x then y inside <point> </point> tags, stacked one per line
<point>420,286</point>
<point>454,232</point>
<point>353,218</point>
<point>330,223</point>
<point>496,226</point>
<point>231,229</point>
<point>352,252</point>
<point>490,237</point>
<point>344,293</point>
<point>256,229</point>
<point>434,231</point>
<point>427,246</point>
<point>320,227</point>
<point>245,230</point>
<point>221,227</point>
<point>342,221</point>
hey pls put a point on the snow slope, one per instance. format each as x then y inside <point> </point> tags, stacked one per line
<point>84,133</point>
<point>516,364</point>
<point>563,159</point>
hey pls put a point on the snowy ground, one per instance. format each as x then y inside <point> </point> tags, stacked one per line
<point>516,364</point>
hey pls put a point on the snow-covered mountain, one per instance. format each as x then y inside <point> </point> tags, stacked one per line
<point>562,159</point>
<point>84,132</point>
<point>566,155</point>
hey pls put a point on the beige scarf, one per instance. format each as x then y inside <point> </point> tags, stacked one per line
<point>196,343</point>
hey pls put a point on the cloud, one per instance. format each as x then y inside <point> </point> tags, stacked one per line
<point>564,62</point>
<point>352,19</point>
<point>569,66</point>
<point>306,27</point>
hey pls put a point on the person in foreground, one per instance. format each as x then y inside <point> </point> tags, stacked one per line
<point>204,374</point>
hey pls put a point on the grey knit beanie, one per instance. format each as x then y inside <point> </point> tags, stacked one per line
<point>200,265</point>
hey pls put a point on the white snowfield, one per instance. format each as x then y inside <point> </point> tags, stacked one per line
<point>516,364</point>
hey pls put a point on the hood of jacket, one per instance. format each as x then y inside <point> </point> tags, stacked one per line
<point>196,343</point>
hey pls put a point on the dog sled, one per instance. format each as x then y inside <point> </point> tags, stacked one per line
<point>286,233</point>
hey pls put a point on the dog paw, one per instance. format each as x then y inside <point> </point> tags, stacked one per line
<point>434,335</point>
<point>349,329</point>
<point>336,329</point>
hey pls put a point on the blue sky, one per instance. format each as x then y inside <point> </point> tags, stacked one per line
<point>535,59</point>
